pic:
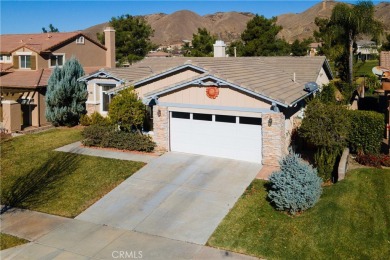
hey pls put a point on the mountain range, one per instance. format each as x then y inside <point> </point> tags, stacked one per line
<point>173,28</point>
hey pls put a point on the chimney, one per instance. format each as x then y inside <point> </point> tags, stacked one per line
<point>219,49</point>
<point>109,39</point>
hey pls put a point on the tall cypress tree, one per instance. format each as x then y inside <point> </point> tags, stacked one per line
<point>65,96</point>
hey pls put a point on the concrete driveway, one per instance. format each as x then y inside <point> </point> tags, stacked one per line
<point>178,196</point>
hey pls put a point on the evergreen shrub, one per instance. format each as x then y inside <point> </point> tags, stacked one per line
<point>94,119</point>
<point>65,96</point>
<point>296,186</point>
<point>110,137</point>
<point>366,131</point>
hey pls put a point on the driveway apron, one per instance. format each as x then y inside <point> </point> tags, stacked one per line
<point>178,196</point>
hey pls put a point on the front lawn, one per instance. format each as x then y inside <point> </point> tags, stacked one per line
<point>8,241</point>
<point>35,177</point>
<point>351,221</point>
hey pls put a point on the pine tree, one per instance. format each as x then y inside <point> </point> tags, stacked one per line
<point>65,96</point>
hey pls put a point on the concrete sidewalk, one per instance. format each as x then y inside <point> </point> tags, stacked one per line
<point>129,156</point>
<point>55,237</point>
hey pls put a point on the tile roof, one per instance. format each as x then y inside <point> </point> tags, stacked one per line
<point>38,42</point>
<point>31,79</point>
<point>25,79</point>
<point>268,76</point>
<point>5,66</point>
<point>385,59</point>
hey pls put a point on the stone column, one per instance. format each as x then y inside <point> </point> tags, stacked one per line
<point>274,139</point>
<point>161,128</point>
<point>12,116</point>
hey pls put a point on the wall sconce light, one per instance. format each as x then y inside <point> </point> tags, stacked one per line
<point>159,113</point>
<point>270,122</point>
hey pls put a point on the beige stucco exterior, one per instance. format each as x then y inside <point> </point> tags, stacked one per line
<point>322,78</point>
<point>165,81</point>
<point>88,54</point>
<point>94,89</point>
<point>228,97</point>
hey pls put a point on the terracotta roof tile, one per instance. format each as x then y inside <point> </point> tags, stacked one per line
<point>39,42</point>
<point>30,79</point>
<point>385,59</point>
<point>5,66</point>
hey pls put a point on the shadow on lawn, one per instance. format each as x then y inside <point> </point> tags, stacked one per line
<point>39,185</point>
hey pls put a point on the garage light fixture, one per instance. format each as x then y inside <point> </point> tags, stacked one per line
<point>159,113</point>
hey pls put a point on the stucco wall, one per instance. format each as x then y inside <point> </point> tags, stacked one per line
<point>94,88</point>
<point>196,95</point>
<point>322,78</point>
<point>89,54</point>
<point>166,81</point>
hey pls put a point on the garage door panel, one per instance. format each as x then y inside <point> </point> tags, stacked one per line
<point>220,139</point>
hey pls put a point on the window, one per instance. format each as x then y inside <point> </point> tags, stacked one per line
<point>204,117</point>
<point>57,60</point>
<point>181,115</point>
<point>5,58</point>
<point>80,40</point>
<point>25,61</point>
<point>250,120</point>
<point>225,119</point>
<point>106,99</point>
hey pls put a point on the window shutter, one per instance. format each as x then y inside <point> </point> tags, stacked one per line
<point>16,62</point>
<point>33,61</point>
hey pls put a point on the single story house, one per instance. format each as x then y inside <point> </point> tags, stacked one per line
<point>240,108</point>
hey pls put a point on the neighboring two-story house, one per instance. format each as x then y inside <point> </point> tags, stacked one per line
<point>26,63</point>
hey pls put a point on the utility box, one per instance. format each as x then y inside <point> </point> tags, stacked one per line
<point>12,116</point>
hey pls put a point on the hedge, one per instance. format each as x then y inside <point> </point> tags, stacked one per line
<point>366,131</point>
<point>109,136</point>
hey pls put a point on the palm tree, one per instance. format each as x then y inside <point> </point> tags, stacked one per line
<point>355,20</point>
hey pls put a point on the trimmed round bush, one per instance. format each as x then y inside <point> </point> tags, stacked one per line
<point>296,187</point>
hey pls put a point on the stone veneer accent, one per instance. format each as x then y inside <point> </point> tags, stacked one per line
<point>90,108</point>
<point>274,139</point>
<point>161,128</point>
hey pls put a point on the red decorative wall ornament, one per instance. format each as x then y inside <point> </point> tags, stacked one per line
<point>212,92</point>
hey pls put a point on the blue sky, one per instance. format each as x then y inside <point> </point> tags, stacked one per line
<point>31,16</point>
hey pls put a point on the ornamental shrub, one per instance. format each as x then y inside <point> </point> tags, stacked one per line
<point>374,160</point>
<point>127,110</point>
<point>325,161</point>
<point>366,132</point>
<point>94,119</point>
<point>108,136</point>
<point>296,186</point>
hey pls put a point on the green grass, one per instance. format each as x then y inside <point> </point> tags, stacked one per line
<point>360,68</point>
<point>351,221</point>
<point>364,68</point>
<point>35,177</point>
<point>8,241</point>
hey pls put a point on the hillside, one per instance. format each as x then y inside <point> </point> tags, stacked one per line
<point>176,27</point>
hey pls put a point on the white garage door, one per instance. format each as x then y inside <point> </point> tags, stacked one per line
<point>233,137</point>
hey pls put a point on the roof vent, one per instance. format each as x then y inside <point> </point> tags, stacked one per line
<point>311,86</point>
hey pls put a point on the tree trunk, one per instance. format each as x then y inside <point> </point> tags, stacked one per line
<point>350,59</point>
